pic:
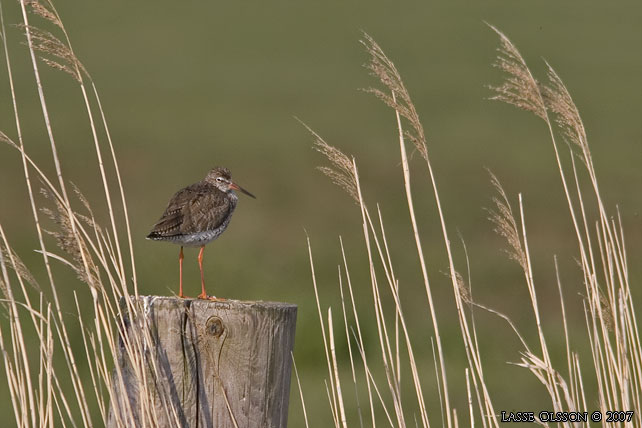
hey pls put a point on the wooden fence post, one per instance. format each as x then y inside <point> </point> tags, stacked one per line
<point>209,364</point>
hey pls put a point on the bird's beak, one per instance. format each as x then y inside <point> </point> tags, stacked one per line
<point>237,187</point>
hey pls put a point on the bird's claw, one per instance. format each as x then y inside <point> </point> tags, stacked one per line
<point>204,296</point>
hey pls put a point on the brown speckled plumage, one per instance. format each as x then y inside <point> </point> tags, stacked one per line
<point>198,208</point>
<point>198,214</point>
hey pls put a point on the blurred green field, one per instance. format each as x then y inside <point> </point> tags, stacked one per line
<point>190,85</point>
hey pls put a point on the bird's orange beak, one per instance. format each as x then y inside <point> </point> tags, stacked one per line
<point>237,187</point>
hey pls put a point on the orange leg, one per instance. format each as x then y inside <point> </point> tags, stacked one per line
<point>180,270</point>
<point>203,294</point>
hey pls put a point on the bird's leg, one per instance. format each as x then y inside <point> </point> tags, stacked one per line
<point>203,294</point>
<point>180,270</point>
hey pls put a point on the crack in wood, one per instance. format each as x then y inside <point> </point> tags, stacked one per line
<point>230,372</point>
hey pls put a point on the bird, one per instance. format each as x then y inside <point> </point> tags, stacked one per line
<point>198,214</point>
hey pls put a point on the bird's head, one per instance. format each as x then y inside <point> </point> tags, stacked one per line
<point>222,179</point>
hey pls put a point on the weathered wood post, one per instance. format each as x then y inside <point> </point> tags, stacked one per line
<point>206,364</point>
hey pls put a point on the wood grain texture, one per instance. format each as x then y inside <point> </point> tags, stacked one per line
<point>213,364</point>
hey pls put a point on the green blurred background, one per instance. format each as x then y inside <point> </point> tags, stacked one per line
<point>190,85</point>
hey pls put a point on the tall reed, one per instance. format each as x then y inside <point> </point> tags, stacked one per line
<point>43,378</point>
<point>614,359</point>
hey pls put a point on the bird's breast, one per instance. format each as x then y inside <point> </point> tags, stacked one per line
<point>202,238</point>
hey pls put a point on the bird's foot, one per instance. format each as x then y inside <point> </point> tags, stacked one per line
<point>204,296</point>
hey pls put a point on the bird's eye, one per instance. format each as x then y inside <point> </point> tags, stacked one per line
<point>219,179</point>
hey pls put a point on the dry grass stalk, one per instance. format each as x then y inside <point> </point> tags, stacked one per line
<point>358,336</point>
<point>397,96</point>
<point>96,253</point>
<point>520,88</point>
<point>559,101</point>
<point>464,290</point>
<point>608,310</point>
<point>18,266</point>
<point>342,173</point>
<point>341,416</point>
<point>96,257</point>
<point>347,333</point>
<point>298,382</point>
<point>5,139</point>
<point>382,68</point>
<point>71,243</point>
<point>45,10</point>
<point>615,345</point>
<point>332,399</point>
<point>47,45</point>
<point>61,48</point>
<point>505,224</point>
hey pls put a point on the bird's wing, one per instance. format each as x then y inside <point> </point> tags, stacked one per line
<point>207,210</point>
<point>170,222</point>
<point>191,209</point>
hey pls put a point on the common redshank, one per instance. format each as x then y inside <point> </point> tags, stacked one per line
<point>197,215</point>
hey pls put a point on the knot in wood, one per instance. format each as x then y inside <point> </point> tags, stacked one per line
<point>214,326</point>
